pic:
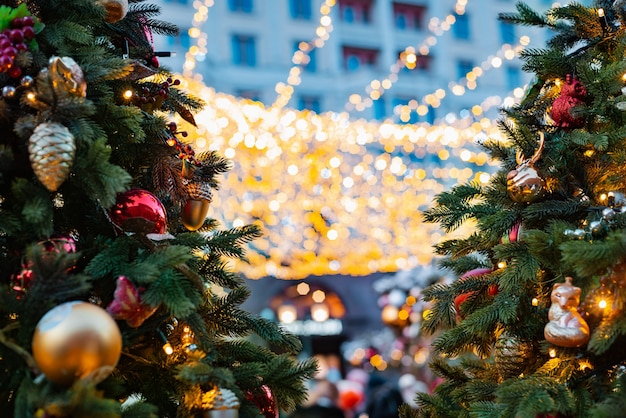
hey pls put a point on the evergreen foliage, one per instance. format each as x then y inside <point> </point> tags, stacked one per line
<point>121,144</point>
<point>492,354</point>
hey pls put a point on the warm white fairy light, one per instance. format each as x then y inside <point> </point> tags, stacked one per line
<point>198,50</point>
<point>301,57</point>
<point>408,58</point>
<point>333,195</point>
<point>469,82</point>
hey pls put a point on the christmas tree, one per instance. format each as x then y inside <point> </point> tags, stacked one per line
<point>535,325</point>
<point>116,295</point>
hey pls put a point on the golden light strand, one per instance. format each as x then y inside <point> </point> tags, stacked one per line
<point>377,88</point>
<point>301,56</point>
<point>198,50</point>
<point>469,82</point>
<point>333,195</point>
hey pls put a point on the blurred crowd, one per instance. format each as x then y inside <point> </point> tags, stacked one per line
<point>359,395</point>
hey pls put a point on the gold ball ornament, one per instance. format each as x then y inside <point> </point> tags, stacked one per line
<point>51,150</point>
<point>524,183</point>
<point>195,210</point>
<point>116,10</point>
<point>76,341</point>
<point>511,354</point>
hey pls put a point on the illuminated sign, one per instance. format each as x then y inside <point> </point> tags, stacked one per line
<point>310,327</point>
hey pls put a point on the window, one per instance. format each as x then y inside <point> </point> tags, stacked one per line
<point>421,63</point>
<point>181,41</point>
<point>513,78</point>
<point>408,16</point>
<point>380,111</point>
<point>249,94</point>
<point>430,116</point>
<point>300,9</point>
<point>242,6</point>
<point>463,67</point>
<point>355,58</point>
<point>507,33</point>
<point>244,50</point>
<point>309,64</point>
<point>355,11</point>
<point>461,27</point>
<point>309,102</point>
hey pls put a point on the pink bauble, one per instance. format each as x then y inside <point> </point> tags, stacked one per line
<point>264,399</point>
<point>139,210</point>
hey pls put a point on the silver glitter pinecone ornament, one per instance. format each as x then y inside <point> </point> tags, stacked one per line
<point>51,150</point>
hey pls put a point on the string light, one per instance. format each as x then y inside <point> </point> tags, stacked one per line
<point>407,58</point>
<point>197,51</point>
<point>301,57</point>
<point>469,82</point>
<point>168,349</point>
<point>332,195</point>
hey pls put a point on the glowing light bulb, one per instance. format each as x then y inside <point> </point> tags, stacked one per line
<point>128,94</point>
<point>168,349</point>
<point>602,304</point>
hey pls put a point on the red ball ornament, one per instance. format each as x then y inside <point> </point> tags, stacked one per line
<point>458,301</point>
<point>140,211</point>
<point>264,399</point>
<point>573,93</point>
<point>59,242</point>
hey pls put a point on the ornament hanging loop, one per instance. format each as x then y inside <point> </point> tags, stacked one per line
<point>520,159</point>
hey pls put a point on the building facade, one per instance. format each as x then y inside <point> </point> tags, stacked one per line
<point>250,45</point>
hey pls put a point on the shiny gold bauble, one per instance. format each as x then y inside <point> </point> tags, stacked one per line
<point>524,184</point>
<point>76,340</point>
<point>194,213</point>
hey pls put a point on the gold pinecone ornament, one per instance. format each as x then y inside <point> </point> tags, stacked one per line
<point>51,150</point>
<point>510,354</point>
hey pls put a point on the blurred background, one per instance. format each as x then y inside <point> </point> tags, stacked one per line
<point>343,120</point>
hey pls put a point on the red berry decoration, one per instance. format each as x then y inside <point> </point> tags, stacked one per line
<point>139,211</point>
<point>573,94</point>
<point>14,40</point>
<point>264,399</point>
